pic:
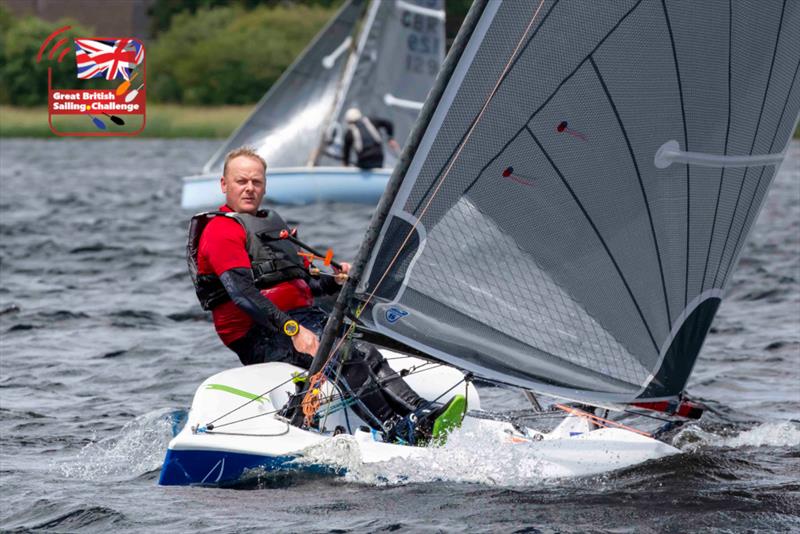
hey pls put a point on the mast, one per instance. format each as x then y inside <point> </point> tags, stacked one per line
<point>335,320</point>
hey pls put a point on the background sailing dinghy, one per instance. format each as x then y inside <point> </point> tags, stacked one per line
<point>298,125</point>
<point>564,219</point>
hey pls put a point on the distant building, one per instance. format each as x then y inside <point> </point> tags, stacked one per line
<point>107,18</point>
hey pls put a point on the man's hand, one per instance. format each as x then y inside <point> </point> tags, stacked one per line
<point>305,341</point>
<point>341,276</point>
<point>394,145</point>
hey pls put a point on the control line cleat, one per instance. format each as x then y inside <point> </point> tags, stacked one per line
<point>447,418</point>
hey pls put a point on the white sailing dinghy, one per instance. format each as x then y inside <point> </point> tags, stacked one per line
<point>298,125</point>
<point>564,219</point>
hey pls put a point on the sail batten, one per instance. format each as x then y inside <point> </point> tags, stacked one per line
<point>421,10</point>
<point>670,153</point>
<point>535,240</point>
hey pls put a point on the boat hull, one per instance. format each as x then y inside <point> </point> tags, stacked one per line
<point>232,433</point>
<point>299,185</point>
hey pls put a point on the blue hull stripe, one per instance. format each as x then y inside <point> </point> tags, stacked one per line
<point>183,467</point>
<point>215,468</point>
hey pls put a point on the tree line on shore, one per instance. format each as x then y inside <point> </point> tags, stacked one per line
<point>202,52</point>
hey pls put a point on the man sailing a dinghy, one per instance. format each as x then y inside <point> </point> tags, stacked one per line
<point>261,296</point>
<point>363,135</point>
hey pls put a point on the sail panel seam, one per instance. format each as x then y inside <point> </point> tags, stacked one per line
<point>758,184</point>
<point>686,144</point>
<point>752,146</point>
<point>493,159</point>
<point>599,236</point>
<point>727,136</point>
<point>555,91</point>
<point>641,186</point>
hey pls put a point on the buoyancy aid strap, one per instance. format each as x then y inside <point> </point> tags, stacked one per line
<point>373,131</point>
<point>365,135</point>
<point>209,289</point>
<point>358,143</point>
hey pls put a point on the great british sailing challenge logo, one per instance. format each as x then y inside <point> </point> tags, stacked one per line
<point>113,109</point>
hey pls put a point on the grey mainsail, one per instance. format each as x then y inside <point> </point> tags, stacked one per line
<point>287,124</point>
<point>400,51</point>
<point>579,187</point>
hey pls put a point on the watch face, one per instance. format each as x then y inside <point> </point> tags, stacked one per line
<point>290,328</point>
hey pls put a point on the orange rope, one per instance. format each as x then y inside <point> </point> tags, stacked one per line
<point>311,401</point>
<point>600,421</point>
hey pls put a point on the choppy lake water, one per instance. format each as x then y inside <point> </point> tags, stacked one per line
<point>102,339</point>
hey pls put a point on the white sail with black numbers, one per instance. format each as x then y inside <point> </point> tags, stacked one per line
<point>287,124</point>
<point>578,189</point>
<point>400,50</point>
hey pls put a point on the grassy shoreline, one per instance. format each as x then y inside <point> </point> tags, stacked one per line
<point>163,121</point>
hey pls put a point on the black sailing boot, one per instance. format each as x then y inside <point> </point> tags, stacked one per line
<point>403,399</point>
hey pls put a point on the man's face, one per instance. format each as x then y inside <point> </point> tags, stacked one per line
<point>244,184</point>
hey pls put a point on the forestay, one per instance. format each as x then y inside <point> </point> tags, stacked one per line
<point>287,125</point>
<point>579,189</point>
<point>400,50</point>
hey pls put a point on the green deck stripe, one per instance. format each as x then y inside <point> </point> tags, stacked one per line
<point>239,392</point>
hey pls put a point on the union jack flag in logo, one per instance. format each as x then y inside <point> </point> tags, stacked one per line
<point>109,59</point>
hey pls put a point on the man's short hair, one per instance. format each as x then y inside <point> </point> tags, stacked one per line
<point>246,151</point>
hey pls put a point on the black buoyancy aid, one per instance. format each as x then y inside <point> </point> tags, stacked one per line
<point>367,140</point>
<point>273,260</point>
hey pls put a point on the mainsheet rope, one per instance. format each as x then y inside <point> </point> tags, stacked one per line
<point>331,398</point>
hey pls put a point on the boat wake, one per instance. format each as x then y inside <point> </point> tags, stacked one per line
<point>772,434</point>
<point>471,455</point>
<point>136,450</point>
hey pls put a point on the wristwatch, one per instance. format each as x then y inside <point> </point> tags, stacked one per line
<point>291,328</point>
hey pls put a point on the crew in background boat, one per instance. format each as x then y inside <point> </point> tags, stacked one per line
<point>261,297</point>
<point>364,137</point>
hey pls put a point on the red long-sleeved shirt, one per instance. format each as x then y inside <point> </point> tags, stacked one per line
<point>223,247</point>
